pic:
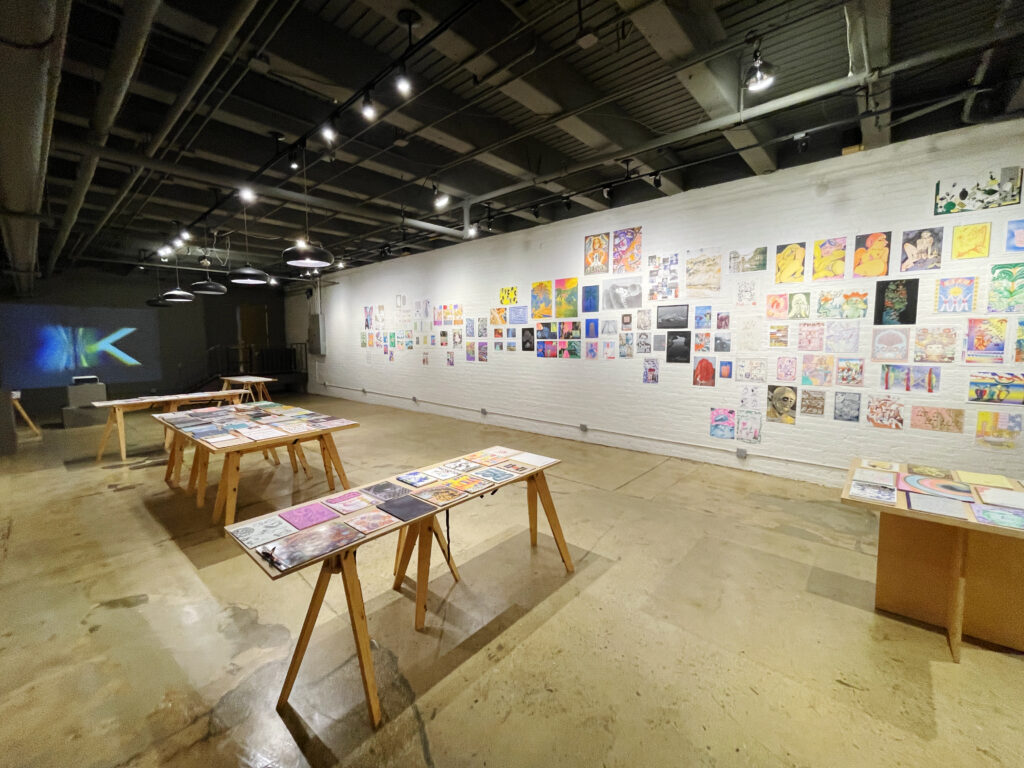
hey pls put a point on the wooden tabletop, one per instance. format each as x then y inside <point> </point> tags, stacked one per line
<point>246,379</point>
<point>251,444</point>
<point>183,398</point>
<point>900,507</point>
<point>274,573</point>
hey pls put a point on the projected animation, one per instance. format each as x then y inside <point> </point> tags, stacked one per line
<point>45,346</point>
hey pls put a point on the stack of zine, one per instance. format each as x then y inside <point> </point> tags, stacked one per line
<point>875,481</point>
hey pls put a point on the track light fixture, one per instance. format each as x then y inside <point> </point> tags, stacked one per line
<point>163,252</point>
<point>441,199</point>
<point>185,235</point>
<point>760,74</point>
<point>535,211</point>
<point>328,132</point>
<point>472,231</point>
<point>246,195</point>
<point>177,242</point>
<point>402,83</point>
<point>607,191</point>
<point>656,180</point>
<point>293,159</point>
<point>567,202</point>
<point>368,109</point>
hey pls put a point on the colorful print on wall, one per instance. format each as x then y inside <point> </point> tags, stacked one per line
<point>663,277</point>
<point>885,412</point>
<point>937,419</point>
<point>725,369</point>
<point>998,429</point>
<point>626,345</point>
<point>622,293</point>
<point>890,345</point>
<point>782,404</point>
<point>846,406</point>
<point>935,345</point>
<point>1019,346</point>
<point>518,315</point>
<point>922,249</point>
<point>595,254</point>
<point>996,387</point>
<point>748,426</point>
<point>816,370</point>
<point>650,370</point>
<point>591,327</point>
<point>627,250</point>
<point>498,316</point>
<point>567,302</point>
<point>971,241</point>
<point>591,298</point>
<point>677,347</point>
<point>896,302</point>
<point>985,191</point>
<point>799,305</point>
<point>829,259</point>
<point>850,372</point>
<point>1015,236</point>
<point>954,294</point>
<point>812,402</point>
<point>702,342</point>
<point>752,260</point>
<point>1006,291</point>
<point>704,274</point>
<point>789,262</point>
<point>702,317</point>
<point>746,293</point>
<point>723,342</point>
<point>704,371</point>
<point>778,336</point>
<point>986,340</point>
<point>540,300</point>
<point>871,254</point>
<point>847,305</point>
<point>786,368</point>
<point>811,337</point>
<point>723,423</point>
<point>910,378</point>
<point>470,351</point>
<point>777,306</point>
<point>508,295</point>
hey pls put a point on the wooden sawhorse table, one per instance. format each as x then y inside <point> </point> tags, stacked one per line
<point>256,386</point>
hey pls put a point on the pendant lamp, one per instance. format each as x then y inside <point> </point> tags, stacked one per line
<point>158,300</point>
<point>209,287</point>
<point>304,254</point>
<point>177,295</point>
<point>247,275</point>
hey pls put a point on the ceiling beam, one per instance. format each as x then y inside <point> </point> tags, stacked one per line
<point>869,43</point>
<point>677,29</point>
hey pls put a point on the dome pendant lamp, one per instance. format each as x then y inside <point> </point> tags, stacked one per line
<point>158,300</point>
<point>177,295</point>
<point>247,275</point>
<point>304,254</point>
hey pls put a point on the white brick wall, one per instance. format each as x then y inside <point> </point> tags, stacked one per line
<point>886,189</point>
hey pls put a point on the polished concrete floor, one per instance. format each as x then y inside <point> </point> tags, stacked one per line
<point>716,618</point>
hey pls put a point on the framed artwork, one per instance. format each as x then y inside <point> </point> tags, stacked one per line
<point>799,306</point>
<point>702,317</point>
<point>673,315</point>
<point>677,347</point>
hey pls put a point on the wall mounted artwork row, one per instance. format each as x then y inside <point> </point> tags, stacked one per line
<point>791,333</point>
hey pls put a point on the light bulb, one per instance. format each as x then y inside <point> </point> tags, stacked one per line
<point>403,85</point>
<point>328,133</point>
<point>368,109</point>
<point>247,195</point>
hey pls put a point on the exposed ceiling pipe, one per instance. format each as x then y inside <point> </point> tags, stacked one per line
<point>141,162</point>
<point>131,42</point>
<point>33,36</point>
<point>217,47</point>
<point>805,96</point>
<point>984,63</point>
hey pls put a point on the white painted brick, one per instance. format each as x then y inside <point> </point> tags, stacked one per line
<point>885,189</point>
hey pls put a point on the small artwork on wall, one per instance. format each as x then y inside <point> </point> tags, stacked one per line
<point>799,305</point>
<point>622,293</point>
<point>812,402</point>
<point>748,426</point>
<point>935,344</point>
<point>663,277</point>
<point>1006,290</point>
<point>702,317</point>
<point>591,298</point>
<point>540,300</point>
<point>789,262</point>
<point>627,250</point>
<point>566,297</point>
<point>704,274</point>
<point>650,370</point>
<point>595,254</point>
<point>725,369</point>
<point>723,423</point>
<point>811,337</point>
<point>1015,236</point>
<point>885,412</point>
<point>752,369</point>
<point>749,260</point>
<point>954,294</point>
<point>659,342</point>
<point>847,406</point>
<point>829,259</point>
<point>527,340</point>
<point>850,372</point>
<point>673,316</point>
<point>971,241</point>
<point>996,387</point>
<point>922,249</point>
<point>816,370</point>
<point>937,419</point>
<point>871,254</point>
<point>677,347</point>
<point>896,302</point>
<point>786,368</point>
<point>782,404</point>
<point>777,306</point>
<point>778,336</point>
<point>704,371</point>
<point>498,315</point>
<point>890,345</point>
<point>998,429</point>
<point>984,190</point>
<point>508,295</point>
<point>986,340</point>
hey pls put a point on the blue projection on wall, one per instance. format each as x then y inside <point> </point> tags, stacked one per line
<point>45,346</point>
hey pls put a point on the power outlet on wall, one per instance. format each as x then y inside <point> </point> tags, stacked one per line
<point>741,453</point>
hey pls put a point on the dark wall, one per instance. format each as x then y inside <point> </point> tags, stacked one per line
<point>186,331</point>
